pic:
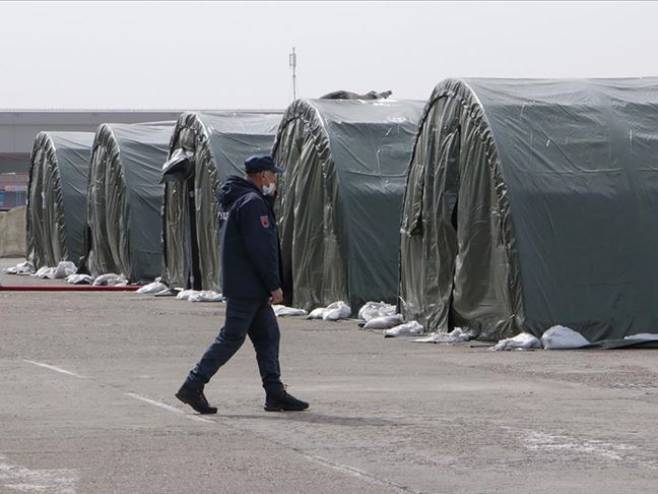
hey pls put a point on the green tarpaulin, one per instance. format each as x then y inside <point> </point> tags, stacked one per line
<point>125,198</point>
<point>340,198</point>
<point>210,147</point>
<point>57,197</point>
<point>532,203</point>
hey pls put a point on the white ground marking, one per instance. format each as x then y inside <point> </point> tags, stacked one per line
<point>355,472</point>
<point>53,368</point>
<point>22,479</point>
<point>346,469</point>
<point>169,408</point>
<point>542,441</point>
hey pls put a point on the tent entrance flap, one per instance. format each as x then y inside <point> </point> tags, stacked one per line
<point>177,233</point>
<point>178,167</point>
<point>181,246</point>
<point>194,273</point>
<point>452,184</point>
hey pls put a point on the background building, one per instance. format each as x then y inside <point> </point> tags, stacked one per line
<point>18,129</point>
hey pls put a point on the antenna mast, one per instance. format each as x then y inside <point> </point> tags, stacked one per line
<point>292,62</point>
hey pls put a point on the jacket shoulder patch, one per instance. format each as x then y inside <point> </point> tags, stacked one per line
<point>265,221</point>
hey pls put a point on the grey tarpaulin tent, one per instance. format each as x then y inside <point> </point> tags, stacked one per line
<point>125,197</point>
<point>209,147</point>
<point>532,203</point>
<point>340,197</point>
<point>57,197</point>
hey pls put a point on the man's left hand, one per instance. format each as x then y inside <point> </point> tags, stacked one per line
<point>277,296</point>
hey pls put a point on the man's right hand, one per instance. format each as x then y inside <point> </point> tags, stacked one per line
<point>277,296</point>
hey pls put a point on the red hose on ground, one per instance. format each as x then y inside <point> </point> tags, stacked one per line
<point>67,288</point>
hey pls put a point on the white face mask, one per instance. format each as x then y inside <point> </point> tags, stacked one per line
<point>268,190</point>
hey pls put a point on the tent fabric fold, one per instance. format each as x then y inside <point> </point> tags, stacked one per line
<point>57,194</point>
<point>340,198</point>
<point>530,203</point>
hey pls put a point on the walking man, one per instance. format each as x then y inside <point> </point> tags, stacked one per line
<point>251,271</point>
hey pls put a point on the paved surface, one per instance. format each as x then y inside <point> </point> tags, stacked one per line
<point>87,406</point>
<point>12,231</point>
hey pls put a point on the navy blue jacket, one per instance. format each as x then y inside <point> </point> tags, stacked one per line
<point>250,252</point>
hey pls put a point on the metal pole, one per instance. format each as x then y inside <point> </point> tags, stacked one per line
<point>292,62</point>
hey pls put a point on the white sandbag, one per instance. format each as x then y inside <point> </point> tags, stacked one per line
<point>642,337</point>
<point>372,310</point>
<point>457,335</point>
<point>283,311</point>
<point>65,269</point>
<point>167,292</point>
<point>522,341</point>
<point>317,313</point>
<point>333,312</point>
<point>185,294</point>
<point>562,338</point>
<point>152,288</point>
<point>205,296</point>
<point>11,269</point>
<point>110,279</point>
<point>384,322</point>
<point>412,328</point>
<point>431,338</point>
<point>45,273</point>
<point>79,279</point>
<point>337,311</point>
<point>21,269</point>
<point>60,272</point>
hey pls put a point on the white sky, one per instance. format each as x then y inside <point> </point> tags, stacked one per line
<point>235,55</point>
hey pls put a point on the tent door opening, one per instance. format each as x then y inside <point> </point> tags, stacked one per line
<point>194,274</point>
<point>452,185</point>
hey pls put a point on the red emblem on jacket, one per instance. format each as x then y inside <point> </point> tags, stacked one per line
<point>265,221</point>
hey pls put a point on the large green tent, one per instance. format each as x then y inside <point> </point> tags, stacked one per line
<point>125,198</point>
<point>57,196</point>
<point>532,203</point>
<point>340,198</point>
<point>209,147</point>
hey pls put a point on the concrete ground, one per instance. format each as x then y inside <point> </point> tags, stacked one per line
<point>87,406</point>
<point>12,232</point>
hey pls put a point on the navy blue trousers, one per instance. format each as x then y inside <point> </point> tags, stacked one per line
<point>244,317</point>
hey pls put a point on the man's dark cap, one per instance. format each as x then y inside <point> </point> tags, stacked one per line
<point>261,163</point>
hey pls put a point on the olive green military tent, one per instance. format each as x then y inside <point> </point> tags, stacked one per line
<point>124,200</point>
<point>532,203</point>
<point>340,198</point>
<point>57,196</point>
<point>205,149</point>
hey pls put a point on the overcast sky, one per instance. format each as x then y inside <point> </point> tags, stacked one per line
<point>235,55</point>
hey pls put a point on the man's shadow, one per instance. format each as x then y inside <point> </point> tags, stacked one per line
<point>318,418</point>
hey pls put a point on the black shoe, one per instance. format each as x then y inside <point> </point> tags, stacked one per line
<point>283,402</point>
<point>195,398</point>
